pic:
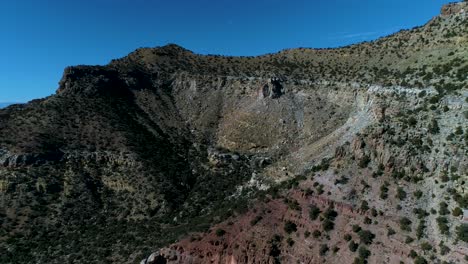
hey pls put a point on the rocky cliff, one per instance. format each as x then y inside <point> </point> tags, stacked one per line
<point>305,155</point>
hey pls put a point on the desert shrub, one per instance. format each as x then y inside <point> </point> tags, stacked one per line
<point>356,228</point>
<point>275,244</point>
<point>328,225</point>
<point>405,224</point>
<point>434,127</point>
<point>290,227</point>
<point>444,177</point>
<point>367,221</point>
<point>347,237</point>
<point>421,213</point>
<point>461,200</point>
<point>420,229</point>
<point>323,249</point>
<point>366,237</point>
<point>364,252</point>
<point>401,194</point>
<point>292,204</point>
<point>364,206</point>
<point>409,240</point>
<point>220,232</point>
<point>442,223</point>
<point>342,180</point>
<point>290,242</point>
<point>462,232</point>
<point>457,211</point>
<point>314,212</point>
<point>353,246</point>
<point>316,233</point>
<point>257,219</point>
<point>412,121</point>
<point>425,246</point>
<point>443,208</point>
<point>364,161</point>
<point>420,260</point>
<point>335,249</point>
<point>443,248</point>
<point>434,99</point>
<point>330,214</point>
<point>384,191</point>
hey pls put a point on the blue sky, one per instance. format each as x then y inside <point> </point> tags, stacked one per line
<point>40,38</point>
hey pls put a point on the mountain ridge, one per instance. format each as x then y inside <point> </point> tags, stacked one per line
<point>165,145</point>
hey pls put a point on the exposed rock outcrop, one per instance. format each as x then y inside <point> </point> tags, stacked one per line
<point>454,8</point>
<point>272,89</point>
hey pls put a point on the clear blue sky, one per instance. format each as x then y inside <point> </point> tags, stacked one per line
<point>40,38</point>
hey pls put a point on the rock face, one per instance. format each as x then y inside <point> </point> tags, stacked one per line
<point>272,89</point>
<point>454,8</point>
<point>238,166</point>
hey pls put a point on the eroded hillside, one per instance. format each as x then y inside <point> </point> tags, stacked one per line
<point>307,156</point>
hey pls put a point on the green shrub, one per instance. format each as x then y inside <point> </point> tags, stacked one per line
<point>356,228</point>
<point>328,225</point>
<point>367,221</point>
<point>405,224</point>
<point>316,233</point>
<point>434,127</point>
<point>384,191</point>
<point>409,240</point>
<point>364,161</point>
<point>330,214</point>
<point>457,211</point>
<point>462,232</point>
<point>443,208</point>
<point>292,204</point>
<point>420,229</point>
<point>220,232</point>
<point>353,246</point>
<point>425,246</point>
<point>364,206</point>
<point>359,261</point>
<point>401,194</point>
<point>314,212</point>
<point>442,222</point>
<point>364,252</point>
<point>412,121</point>
<point>290,227</point>
<point>443,248</point>
<point>366,237</point>
<point>420,260</point>
<point>323,249</point>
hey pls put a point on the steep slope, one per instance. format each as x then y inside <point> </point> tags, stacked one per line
<point>130,157</point>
